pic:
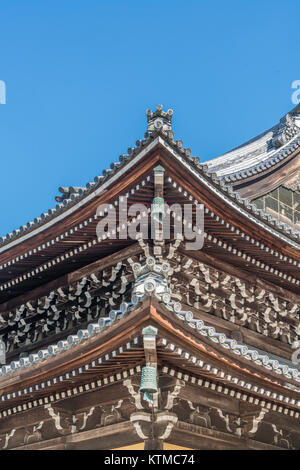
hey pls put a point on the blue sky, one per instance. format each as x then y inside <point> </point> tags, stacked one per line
<point>80,75</point>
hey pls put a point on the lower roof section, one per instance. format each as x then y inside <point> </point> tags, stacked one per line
<point>180,347</point>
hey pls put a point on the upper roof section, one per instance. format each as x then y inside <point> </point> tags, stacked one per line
<point>280,140</point>
<point>249,159</point>
<point>43,249</point>
<point>260,154</point>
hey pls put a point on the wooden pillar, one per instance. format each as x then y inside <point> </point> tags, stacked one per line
<point>154,444</point>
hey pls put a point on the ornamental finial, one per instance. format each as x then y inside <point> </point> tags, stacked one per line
<point>159,120</point>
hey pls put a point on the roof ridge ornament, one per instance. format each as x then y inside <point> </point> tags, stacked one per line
<point>159,121</point>
<point>288,129</point>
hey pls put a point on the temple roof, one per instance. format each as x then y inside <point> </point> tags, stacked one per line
<point>44,249</point>
<point>78,306</point>
<point>260,153</point>
<point>254,156</point>
<point>100,356</point>
<point>269,361</point>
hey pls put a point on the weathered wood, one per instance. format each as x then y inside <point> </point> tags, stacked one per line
<point>258,185</point>
<point>197,437</point>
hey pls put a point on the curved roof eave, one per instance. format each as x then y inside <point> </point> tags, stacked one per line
<point>261,152</point>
